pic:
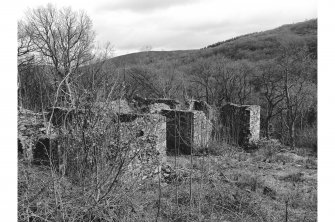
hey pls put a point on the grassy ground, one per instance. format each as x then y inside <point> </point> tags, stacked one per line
<point>249,187</point>
<point>265,185</point>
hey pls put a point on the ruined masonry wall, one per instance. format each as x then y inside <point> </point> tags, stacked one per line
<point>186,130</point>
<point>202,129</point>
<point>145,135</point>
<point>239,124</point>
<point>158,107</point>
<point>178,131</point>
<point>254,125</point>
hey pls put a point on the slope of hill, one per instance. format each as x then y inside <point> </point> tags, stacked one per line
<point>174,74</point>
<point>254,47</point>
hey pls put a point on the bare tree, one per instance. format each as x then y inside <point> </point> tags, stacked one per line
<point>202,76</point>
<point>170,81</point>
<point>24,47</point>
<point>222,80</point>
<point>63,39</point>
<point>244,73</point>
<point>295,66</point>
<point>231,81</point>
<point>268,83</point>
<point>148,86</point>
<point>97,77</point>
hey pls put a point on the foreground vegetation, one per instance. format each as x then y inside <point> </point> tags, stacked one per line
<point>271,183</point>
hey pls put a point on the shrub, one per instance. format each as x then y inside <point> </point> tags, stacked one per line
<point>308,138</point>
<point>268,148</point>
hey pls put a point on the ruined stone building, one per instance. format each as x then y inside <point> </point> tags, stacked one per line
<point>158,127</point>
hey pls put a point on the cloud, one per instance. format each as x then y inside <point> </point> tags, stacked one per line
<point>184,24</point>
<point>143,6</point>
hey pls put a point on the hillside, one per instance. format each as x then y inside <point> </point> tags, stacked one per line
<point>173,74</point>
<point>254,47</point>
<point>180,74</point>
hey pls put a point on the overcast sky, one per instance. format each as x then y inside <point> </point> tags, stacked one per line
<point>181,24</point>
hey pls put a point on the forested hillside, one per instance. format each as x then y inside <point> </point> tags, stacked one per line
<point>254,46</point>
<point>246,51</point>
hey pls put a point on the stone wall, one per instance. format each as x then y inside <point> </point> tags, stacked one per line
<point>239,124</point>
<point>32,137</point>
<point>201,106</point>
<point>150,105</point>
<point>158,128</point>
<point>145,135</point>
<point>137,140</point>
<point>66,116</point>
<point>178,131</point>
<point>186,131</point>
<point>158,107</point>
<point>202,129</point>
<point>255,123</point>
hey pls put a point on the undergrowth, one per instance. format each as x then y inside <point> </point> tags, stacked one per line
<point>229,186</point>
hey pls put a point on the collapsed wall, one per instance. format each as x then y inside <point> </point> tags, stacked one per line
<point>186,131</point>
<point>34,144</point>
<point>201,106</point>
<point>116,106</point>
<point>141,136</point>
<point>239,124</point>
<point>153,105</point>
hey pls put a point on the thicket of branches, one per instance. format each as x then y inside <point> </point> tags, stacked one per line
<point>61,69</point>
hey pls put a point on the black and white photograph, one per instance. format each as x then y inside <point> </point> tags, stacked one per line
<point>166,110</point>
